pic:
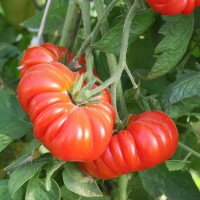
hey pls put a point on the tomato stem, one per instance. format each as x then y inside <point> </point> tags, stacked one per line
<point>85,7</point>
<point>71,25</point>
<point>43,21</point>
<point>112,63</point>
<point>188,149</point>
<point>124,46</point>
<point>93,34</point>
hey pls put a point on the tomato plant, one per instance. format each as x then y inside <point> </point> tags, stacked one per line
<point>100,100</point>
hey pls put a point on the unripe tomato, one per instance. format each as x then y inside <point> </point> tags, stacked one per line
<point>150,139</point>
<point>16,11</point>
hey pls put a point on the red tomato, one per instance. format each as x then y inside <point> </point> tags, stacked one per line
<point>150,139</point>
<point>173,7</point>
<point>46,53</point>
<point>197,3</point>
<point>71,132</point>
<point>56,51</point>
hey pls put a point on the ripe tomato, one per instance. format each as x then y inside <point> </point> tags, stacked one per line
<point>70,131</point>
<point>150,139</point>
<point>173,7</point>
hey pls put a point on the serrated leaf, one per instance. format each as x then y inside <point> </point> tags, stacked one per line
<point>188,85</point>
<point>24,173</point>
<point>36,190</point>
<point>12,121</point>
<point>183,107</point>
<point>176,185</point>
<point>79,183</point>
<point>4,141</point>
<point>54,21</point>
<point>177,33</point>
<point>111,41</point>
<point>51,168</point>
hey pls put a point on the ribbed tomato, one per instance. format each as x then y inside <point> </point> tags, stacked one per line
<point>173,7</point>
<point>150,139</point>
<point>70,131</point>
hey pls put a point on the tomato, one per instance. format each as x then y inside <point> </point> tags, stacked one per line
<point>150,139</point>
<point>197,3</point>
<point>36,55</point>
<point>46,53</point>
<point>70,131</point>
<point>173,7</point>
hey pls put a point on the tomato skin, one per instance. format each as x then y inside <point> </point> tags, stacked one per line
<point>173,7</point>
<point>150,139</point>
<point>53,49</point>
<point>197,3</point>
<point>70,132</point>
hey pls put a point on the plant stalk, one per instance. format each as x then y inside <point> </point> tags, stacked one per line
<point>112,62</point>
<point>93,34</point>
<point>124,46</point>
<point>71,25</point>
<point>188,149</point>
<point>85,8</point>
<point>41,29</point>
<point>122,183</point>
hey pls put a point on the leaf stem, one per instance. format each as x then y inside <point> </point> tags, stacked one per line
<point>188,149</point>
<point>85,8</point>
<point>71,25</point>
<point>112,63</point>
<point>95,30</point>
<point>124,46</point>
<point>43,21</point>
<point>135,86</point>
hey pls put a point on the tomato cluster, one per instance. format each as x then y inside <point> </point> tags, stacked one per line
<point>174,7</point>
<point>83,132</point>
<point>70,131</point>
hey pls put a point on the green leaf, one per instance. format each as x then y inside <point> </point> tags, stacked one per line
<point>12,117</point>
<point>4,194</point>
<point>176,185</point>
<point>36,190</point>
<point>173,165</point>
<point>2,62</point>
<point>111,41</point>
<point>177,33</point>
<point>25,157</point>
<point>79,183</point>
<point>183,107</point>
<point>8,50</point>
<point>188,85</point>
<point>4,141</point>
<point>24,173</point>
<point>51,168</point>
<point>54,21</point>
